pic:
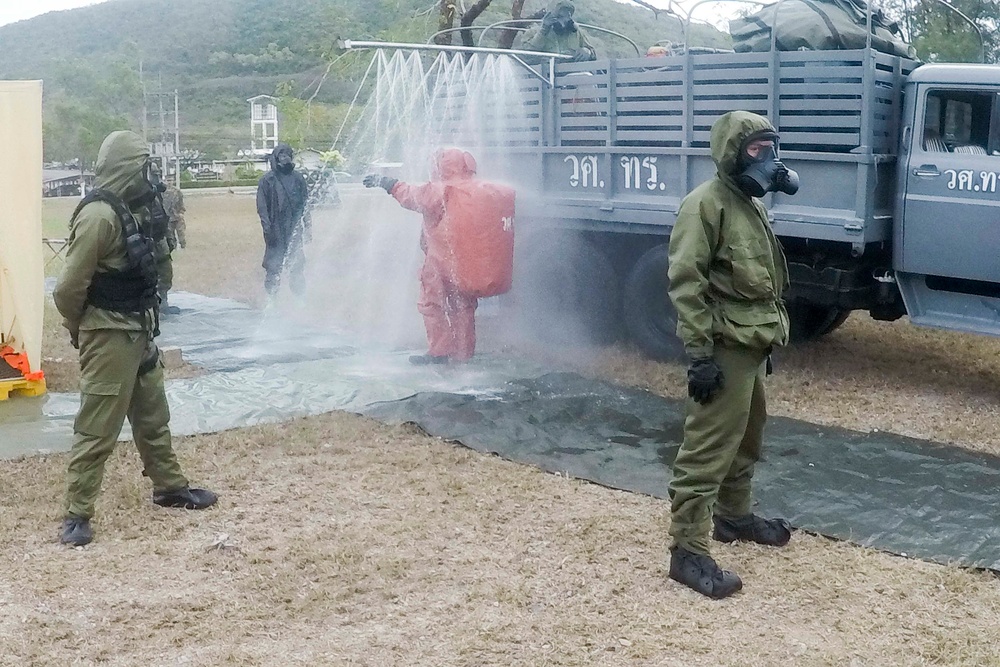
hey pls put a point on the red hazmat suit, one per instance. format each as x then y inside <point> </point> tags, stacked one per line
<point>468,238</point>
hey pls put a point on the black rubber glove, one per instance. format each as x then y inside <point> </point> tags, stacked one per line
<point>582,56</point>
<point>376,181</point>
<point>704,380</point>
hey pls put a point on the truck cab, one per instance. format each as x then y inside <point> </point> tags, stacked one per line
<point>947,216</point>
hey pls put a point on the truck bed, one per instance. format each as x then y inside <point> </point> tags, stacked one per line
<point>617,144</point>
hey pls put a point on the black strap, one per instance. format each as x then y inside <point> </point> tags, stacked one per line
<point>109,198</point>
<point>134,289</point>
<point>826,19</point>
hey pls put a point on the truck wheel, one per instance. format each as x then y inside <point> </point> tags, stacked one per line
<point>835,323</point>
<point>809,321</point>
<point>565,291</point>
<point>649,316</point>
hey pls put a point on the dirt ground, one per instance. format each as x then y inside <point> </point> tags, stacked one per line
<point>340,541</point>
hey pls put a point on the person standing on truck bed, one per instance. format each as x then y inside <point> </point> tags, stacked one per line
<point>559,33</point>
<point>727,274</point>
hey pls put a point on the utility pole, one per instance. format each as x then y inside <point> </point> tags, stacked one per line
<point>163,134</point>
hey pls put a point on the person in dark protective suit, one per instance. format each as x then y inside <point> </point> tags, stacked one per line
<point>282,194</point>
<point>558,33</point>
<point>107,297</point>
<point>727,275</point>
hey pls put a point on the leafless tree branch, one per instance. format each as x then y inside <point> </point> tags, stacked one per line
<point>469,17</point>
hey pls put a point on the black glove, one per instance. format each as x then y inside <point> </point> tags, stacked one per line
<point>704,380</point>
<point>548,22</point>
<point>376,181</point>
<point>582,55</point>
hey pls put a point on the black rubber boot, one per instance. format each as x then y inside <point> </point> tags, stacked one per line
<point>76,531</point>
<point>425,359</point>
<point>701,573</point>
<point>186,498</point>
<point>752,528</point>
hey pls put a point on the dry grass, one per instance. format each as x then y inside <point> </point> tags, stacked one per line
<point>341,541</point>
<point>354,543</point>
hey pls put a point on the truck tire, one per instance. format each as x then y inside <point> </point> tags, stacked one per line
<point>809,321</point>
<point>565,291</point>
<point>649,316</point>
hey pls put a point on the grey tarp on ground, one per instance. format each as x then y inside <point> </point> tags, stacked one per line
<point>260,370</point>
<point>899,494</point>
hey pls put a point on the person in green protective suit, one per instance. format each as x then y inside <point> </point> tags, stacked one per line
<point>173,204</point>
<point>107,297</point>
<point>156,223</point>
<point>173,209</point>
<point>558,33</point>
<point>727,273</point>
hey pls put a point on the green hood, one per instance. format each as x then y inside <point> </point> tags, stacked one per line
<point>728,134</point>
<point>119,165</point>
<point>556,5</point>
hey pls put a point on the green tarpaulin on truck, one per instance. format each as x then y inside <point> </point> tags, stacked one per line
<point>816,25</point>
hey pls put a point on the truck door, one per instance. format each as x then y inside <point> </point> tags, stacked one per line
<point>951,208</point>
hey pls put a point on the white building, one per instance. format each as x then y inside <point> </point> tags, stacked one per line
<point>263,124</point>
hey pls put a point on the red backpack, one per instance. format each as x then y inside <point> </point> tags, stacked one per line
<point>477,235</point>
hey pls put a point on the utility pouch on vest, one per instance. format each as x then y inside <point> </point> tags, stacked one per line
<point>159,221</point>
<point>134,289</point>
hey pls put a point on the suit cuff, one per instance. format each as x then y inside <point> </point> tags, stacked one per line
<point>695,352</point>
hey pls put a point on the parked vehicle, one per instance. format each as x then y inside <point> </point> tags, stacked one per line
<point>898,212</point>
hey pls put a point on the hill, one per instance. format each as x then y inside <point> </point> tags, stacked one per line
<point>219,53</point>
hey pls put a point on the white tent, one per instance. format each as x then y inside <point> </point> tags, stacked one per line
<point>22,294</point>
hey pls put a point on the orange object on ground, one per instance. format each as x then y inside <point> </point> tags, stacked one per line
<point>16,375</point>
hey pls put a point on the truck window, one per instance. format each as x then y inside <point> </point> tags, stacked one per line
<point>960,121</point>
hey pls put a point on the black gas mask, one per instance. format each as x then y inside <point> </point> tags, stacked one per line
<point>560,22</point>
<point>564,26</point>
<point>763,172</point>
<point>283,161</point>
<point>152,185</point>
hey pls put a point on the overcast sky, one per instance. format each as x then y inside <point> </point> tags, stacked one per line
<point>18,10</point>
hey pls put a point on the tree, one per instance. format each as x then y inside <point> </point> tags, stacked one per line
<point>939,34</point>
<point>507,37</point>
<point>470,17</point>
<point>88,105</point>
<point>446,21</point>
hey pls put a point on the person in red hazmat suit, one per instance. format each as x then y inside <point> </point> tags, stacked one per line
<point>468,243</point>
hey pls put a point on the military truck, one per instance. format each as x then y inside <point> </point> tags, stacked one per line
<point>898,212</point>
